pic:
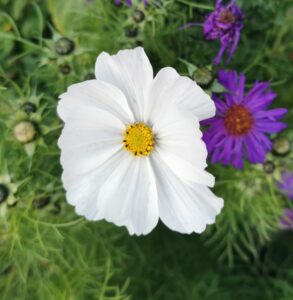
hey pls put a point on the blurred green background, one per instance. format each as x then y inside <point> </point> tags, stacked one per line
<point>46,251</point>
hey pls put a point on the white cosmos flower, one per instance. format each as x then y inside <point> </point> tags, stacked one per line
<point>131,147</point>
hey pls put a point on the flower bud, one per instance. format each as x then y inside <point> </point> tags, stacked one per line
<point>269,167</point>
<point>64,46</point>
<point>4,192</point>
<point>138,16</point>
<point>131,31</point>
<point>281,146</point>
<point>25,132</point>
<point>13,203</point>
<point>29,107</point>
<point>64,69</point>
<point>202,76</point>
<point>41,202</point>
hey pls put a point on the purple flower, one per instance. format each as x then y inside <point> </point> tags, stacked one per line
<point>239,129</point>
<point>286,220</point>
<point>129,2</point>
<point>286,185</point>
<point>224,24</point>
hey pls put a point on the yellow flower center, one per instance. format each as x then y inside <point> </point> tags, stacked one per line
<point>139,139</point>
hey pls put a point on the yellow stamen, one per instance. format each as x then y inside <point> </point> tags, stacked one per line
<point>139,139</point>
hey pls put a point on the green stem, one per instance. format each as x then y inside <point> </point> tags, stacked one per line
<point>74,222</point>
<point>197,5</point>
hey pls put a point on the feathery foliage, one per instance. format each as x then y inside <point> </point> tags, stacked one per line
<point>46,250</point>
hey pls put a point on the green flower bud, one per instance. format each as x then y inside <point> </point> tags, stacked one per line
<point>12,204</point>
<point>138,16</point>
<point>64,69</point>
<point>202,76</point>
<point>269,167</point>
<point>25,132</point>
<point>29,107</point>
<point>131,31</point>
<point>64,46</point>
<point>41,202</point>
<point>4,192</point>
<point>281,146</point>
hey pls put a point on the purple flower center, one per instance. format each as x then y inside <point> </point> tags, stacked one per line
<point>238,120</point>
<point>226,16</point>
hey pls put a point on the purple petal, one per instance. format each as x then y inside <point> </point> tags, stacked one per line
<point>214,139</point>
<point>288,177</point>
<point>254,150</point>
<point>286,184</point>
<point>287,219</point>
<point>228,79</point>
<point>215,156</point>
<point>237,160</point>
<point>262,139</point>
<point>241,87</point>
<point>234,45</point>
<point>220,54</point>
<point>227,149</point>
<point>270,127</point>
<point>273,114</point>
<point>220,105</point>
<point>255,98</point>
<point>218,3</point>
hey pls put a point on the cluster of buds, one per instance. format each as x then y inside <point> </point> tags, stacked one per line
<point>8,190</point>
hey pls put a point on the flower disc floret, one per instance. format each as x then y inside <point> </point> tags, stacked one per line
<point>139,139</point>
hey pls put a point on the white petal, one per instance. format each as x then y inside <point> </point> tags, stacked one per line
<point>94,93</point>
<point>179,144</point>
<point>82,189</point>
<point>89,137</point>
<point>183,207</point>
<point>169,87</point>
<point>129,198</point>
<point>91,147</point>
<point>131,72</point>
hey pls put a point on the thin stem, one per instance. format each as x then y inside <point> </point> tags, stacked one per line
<point>74,222</point>
<point>197,5</point>
<point>190,24</point>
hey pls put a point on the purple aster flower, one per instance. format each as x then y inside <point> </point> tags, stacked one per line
<point>286,185</point>
<point>239,129</point>
<point>224,24</point>
<point>129,2</point>
<point>286,220</point>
